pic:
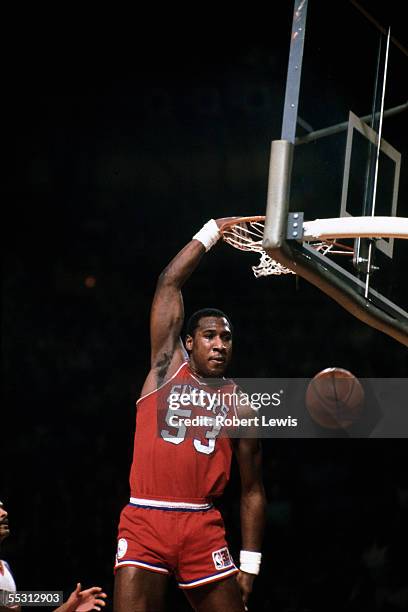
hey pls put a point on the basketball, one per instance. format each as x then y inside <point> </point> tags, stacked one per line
<point>335,398</point>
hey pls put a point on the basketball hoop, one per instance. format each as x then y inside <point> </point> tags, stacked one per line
<point>246,234</point>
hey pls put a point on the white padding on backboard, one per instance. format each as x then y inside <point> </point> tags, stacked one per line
<point>356,227</point>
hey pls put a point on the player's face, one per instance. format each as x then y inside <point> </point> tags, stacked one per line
<point>211,347</point>
<point>4,529</point>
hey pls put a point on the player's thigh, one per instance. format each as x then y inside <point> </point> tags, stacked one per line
<point>217,596</point>
<point>138,590</point>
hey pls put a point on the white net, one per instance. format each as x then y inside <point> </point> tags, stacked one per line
<point>248,236</point>
<point>268,266</point>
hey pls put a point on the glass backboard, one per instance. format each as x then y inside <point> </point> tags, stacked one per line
<point>346,85</point>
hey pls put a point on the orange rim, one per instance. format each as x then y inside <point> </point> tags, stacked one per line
<point>229,224</point>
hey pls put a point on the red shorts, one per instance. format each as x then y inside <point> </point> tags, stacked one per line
<point>187,543</point>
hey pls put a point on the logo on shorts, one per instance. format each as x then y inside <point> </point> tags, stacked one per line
<point>222,558</point>
<point>122,548</point>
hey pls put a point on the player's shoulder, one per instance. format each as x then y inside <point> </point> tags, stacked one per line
<point>154,383</point>
<point>5,564</point>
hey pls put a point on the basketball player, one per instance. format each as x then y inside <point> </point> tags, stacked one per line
<point>170,525</point>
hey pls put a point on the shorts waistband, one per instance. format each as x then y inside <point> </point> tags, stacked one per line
<point>169,505</point>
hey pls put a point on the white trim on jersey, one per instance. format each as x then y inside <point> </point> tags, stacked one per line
<point>156,503</point>
<point>200,382</point>
<point>153,568</point>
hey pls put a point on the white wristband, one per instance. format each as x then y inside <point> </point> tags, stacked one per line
<point>250,561</point>
<point>208,234</point>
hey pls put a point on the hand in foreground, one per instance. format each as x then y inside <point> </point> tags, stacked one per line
<point>82,601</point>
<point>245,583</point>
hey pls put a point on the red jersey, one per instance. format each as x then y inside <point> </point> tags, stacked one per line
<point>179,454</point>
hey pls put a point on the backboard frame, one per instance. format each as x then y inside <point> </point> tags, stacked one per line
<point>350,292</point>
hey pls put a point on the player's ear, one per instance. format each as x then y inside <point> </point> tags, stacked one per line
<point>189,342</point>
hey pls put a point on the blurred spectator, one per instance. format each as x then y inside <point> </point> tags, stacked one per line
<point>79,601</point>
<point>7,583</point>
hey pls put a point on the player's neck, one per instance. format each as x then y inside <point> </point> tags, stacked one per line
<point>208,380</point>
<point>194,370</point>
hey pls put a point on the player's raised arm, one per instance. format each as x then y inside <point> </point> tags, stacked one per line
<point>167,313</point>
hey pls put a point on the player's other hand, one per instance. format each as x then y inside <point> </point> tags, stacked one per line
<point>90,599</point>
<point>245,582</point>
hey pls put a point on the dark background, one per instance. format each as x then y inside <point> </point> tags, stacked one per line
<point>124,146</point>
